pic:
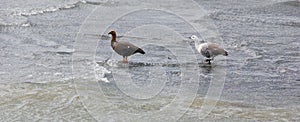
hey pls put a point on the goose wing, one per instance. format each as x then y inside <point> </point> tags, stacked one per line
<point>125,48</point>
<point>215,49</point>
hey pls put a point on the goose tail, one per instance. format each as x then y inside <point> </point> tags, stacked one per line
<point>225,53</point>
<point>139,50</point>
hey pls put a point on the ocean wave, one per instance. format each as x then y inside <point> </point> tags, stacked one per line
<point>49,9</point>
<point>17,15</point>
<point>10,20</point>
<point>53,8</point>
<point>278,12</point>
<point>286,21</point>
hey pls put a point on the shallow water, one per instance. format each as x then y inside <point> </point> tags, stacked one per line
<point>57,63</point>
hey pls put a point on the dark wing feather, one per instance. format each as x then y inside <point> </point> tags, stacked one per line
<point>140,51</point>
<point>126,49</point>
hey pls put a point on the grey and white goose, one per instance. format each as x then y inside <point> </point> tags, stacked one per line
<point>123,48</point>
<point>208,49</point>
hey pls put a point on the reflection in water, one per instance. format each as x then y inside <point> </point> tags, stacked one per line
<point>206,68</point>
<point>262,77</point>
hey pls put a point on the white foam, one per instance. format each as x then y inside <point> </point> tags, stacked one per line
<point>16,15</point>
<point>8,20</point>
<point>64,49</point>
<point>36,11</point>
<point>100,72</point>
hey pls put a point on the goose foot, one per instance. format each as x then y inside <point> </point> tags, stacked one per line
<point>208,60</point>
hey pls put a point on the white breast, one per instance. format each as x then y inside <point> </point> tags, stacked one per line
<point>200,47</point>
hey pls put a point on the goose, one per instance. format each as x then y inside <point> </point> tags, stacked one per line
<point>208,49</point>
<point>123,48</point>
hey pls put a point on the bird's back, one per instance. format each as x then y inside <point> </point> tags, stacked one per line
<point>210,50</point>
<point>125,48</point>
<point>216,50</point>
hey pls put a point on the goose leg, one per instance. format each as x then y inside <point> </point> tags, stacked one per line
<point>124,59</point>
<point>212,58</point>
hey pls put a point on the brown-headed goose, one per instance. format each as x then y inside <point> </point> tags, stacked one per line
<point>207,49</point>
<point>123,48</point>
